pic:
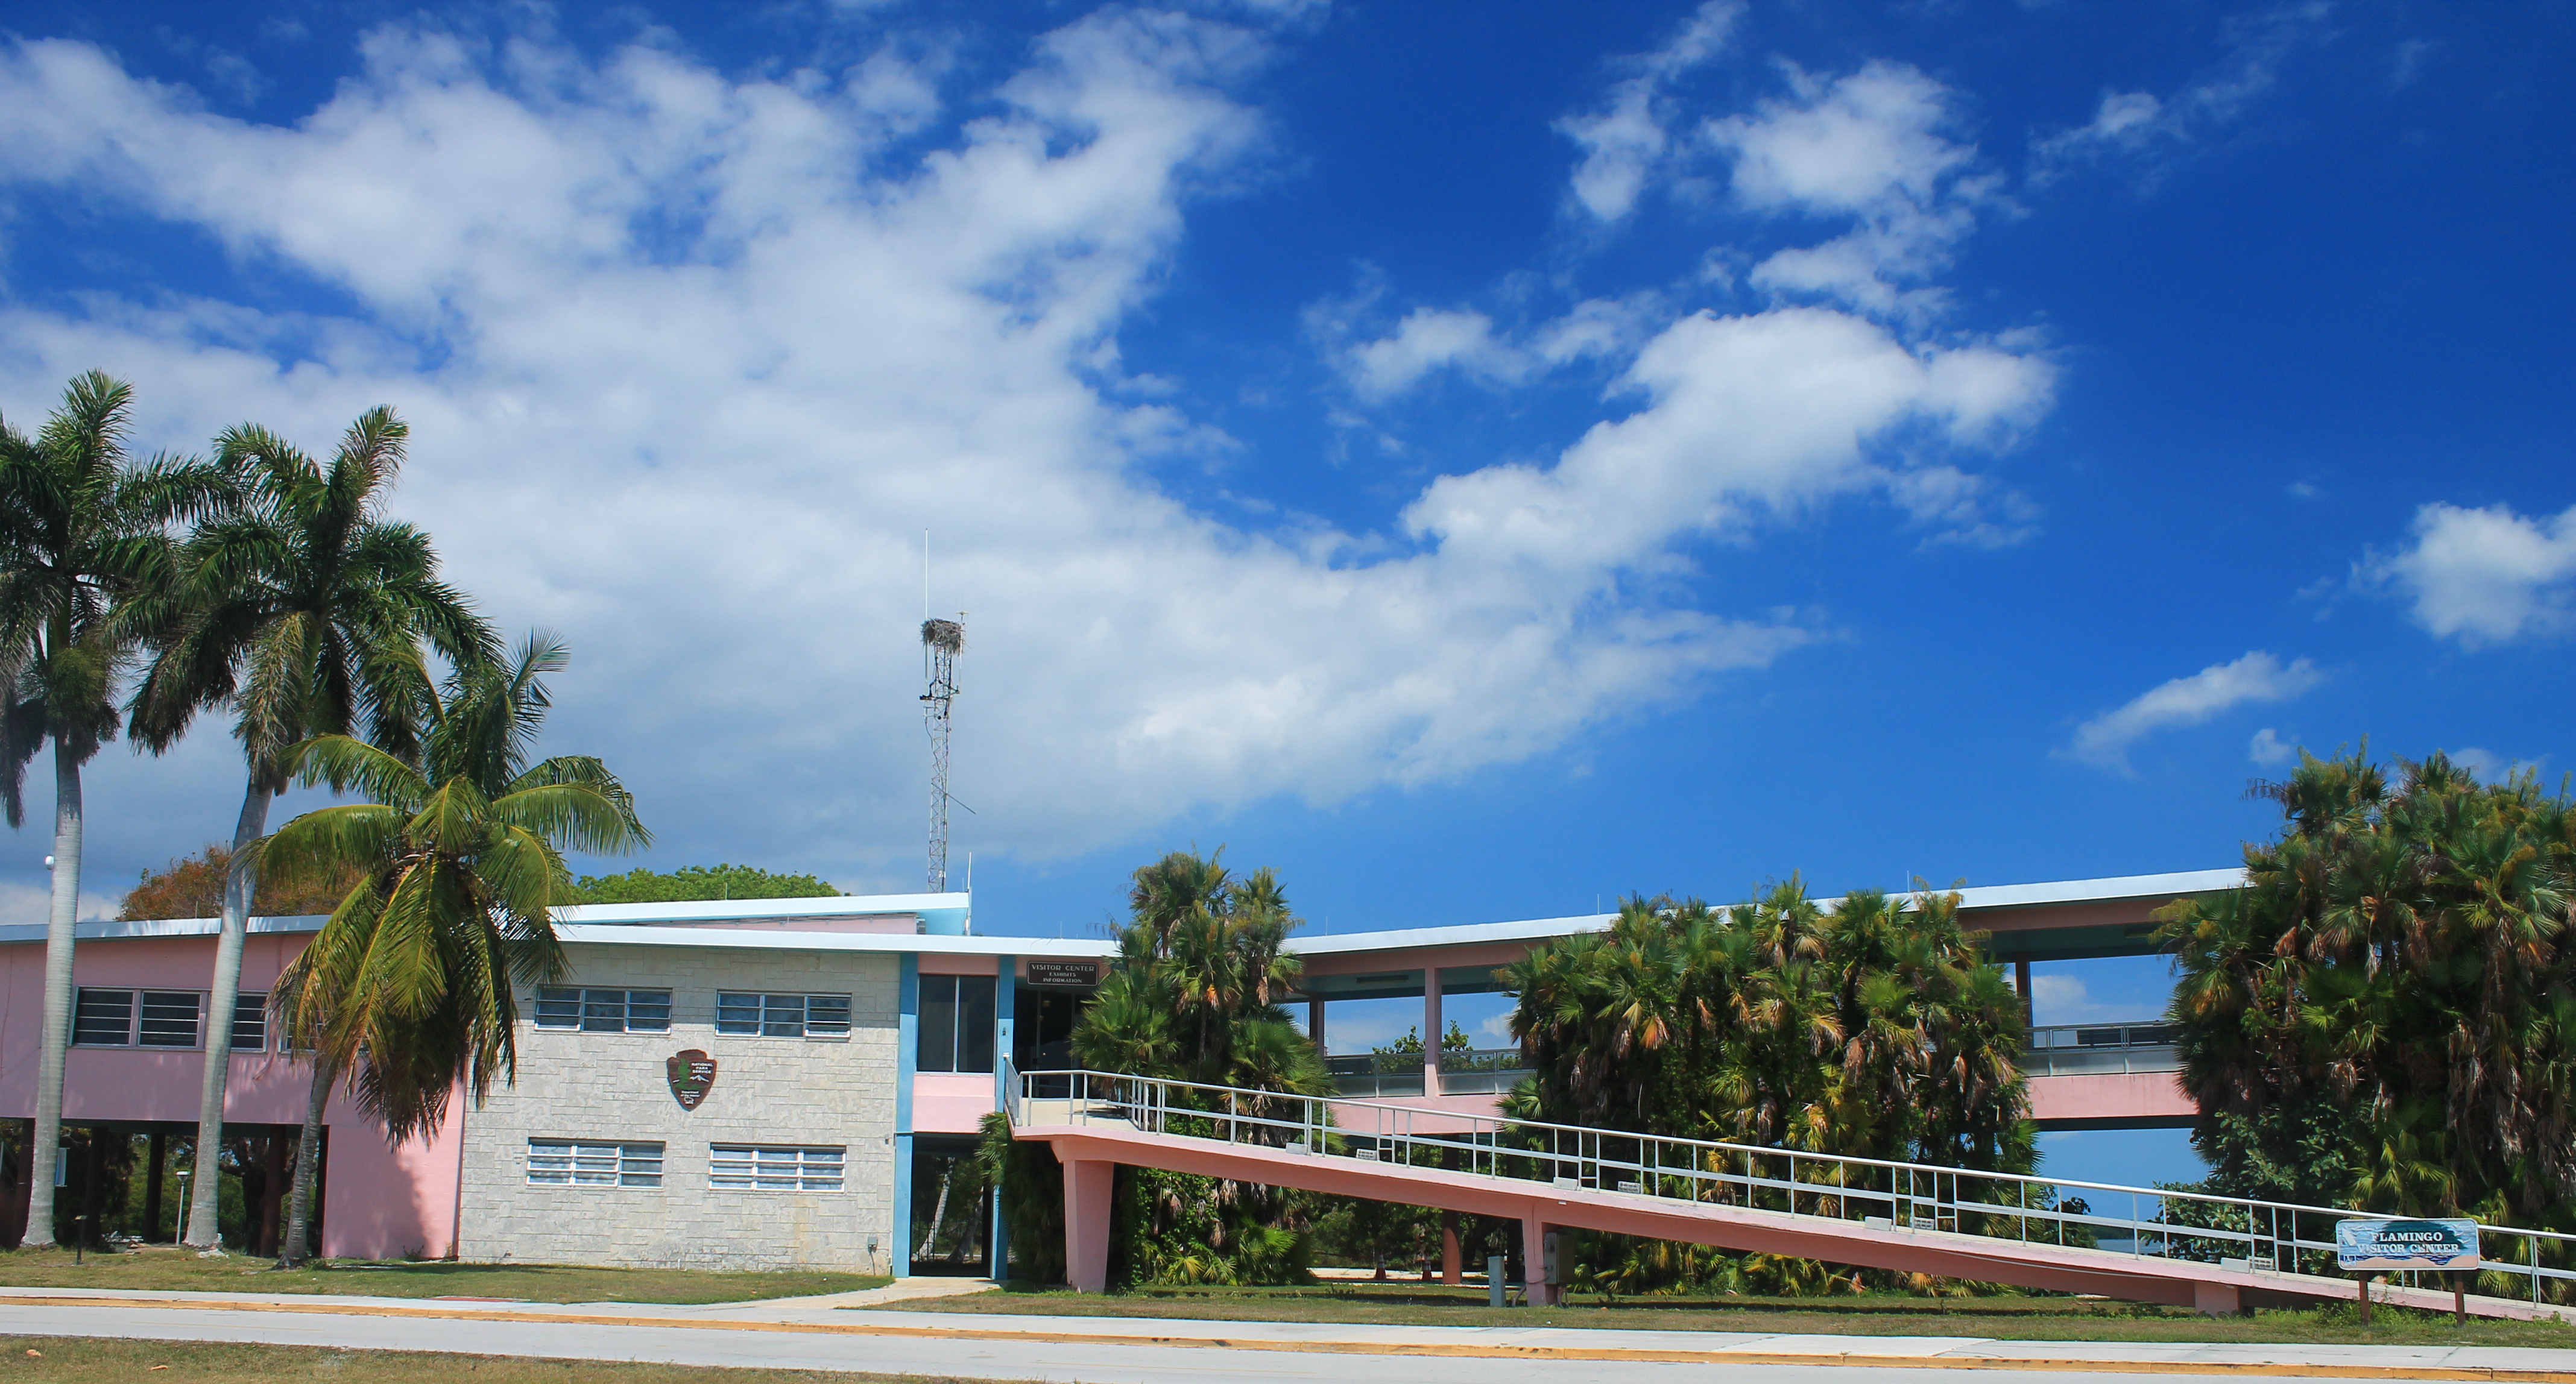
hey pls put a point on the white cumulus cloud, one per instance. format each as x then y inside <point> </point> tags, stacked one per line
<point>1429,339</point>
<point>1877,146</point>
<point>2257,677</point>
<point>2269,750</point>
<point>1625,138</point>
<point>692,359</point>
<point>2483,576</point>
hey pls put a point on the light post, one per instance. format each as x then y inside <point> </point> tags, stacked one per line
<point>184,1174</point>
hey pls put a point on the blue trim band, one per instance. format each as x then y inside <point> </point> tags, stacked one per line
<point>907,1050</point>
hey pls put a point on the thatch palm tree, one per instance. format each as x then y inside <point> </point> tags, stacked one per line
<point>2383,1017</point>
<point>1876,1029</point>
<point>1200,975</point>
<point>82,531</point>
<point>1195,994</point>
<point>408,991</point>
<point>305,615</point>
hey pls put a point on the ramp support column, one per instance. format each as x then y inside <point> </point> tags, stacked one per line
<point>1087,1186</point>
<point>1538,1265</point>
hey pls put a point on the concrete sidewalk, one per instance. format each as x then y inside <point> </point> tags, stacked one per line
<point>1043,1345</point>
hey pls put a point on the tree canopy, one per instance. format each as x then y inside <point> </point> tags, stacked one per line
<point>193,887</point>
<point>1195,994</point>
<point>2384,1017</point>
<point>1877,1029</point>
<point>693,882</point>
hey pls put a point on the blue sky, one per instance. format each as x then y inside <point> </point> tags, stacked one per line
<point>1480,468</point>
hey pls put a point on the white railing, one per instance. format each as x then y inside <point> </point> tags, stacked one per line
<point>2091,1049</point>
<point>2262,1236</point>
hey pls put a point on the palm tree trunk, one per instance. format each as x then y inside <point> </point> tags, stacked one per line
<point>60,936</point>
<point>292,1250</point>
<point>203,1229</point>
<point>939,1213</point>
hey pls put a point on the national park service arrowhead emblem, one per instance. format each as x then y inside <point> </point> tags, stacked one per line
<point>692,1073</point>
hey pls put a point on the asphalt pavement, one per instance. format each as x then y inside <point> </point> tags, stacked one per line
<point>808,1334</point>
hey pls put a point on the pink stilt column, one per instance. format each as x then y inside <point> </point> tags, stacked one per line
<point>1534,1278</point>
<point>1431,1029</point>
<point>1087,1185</point>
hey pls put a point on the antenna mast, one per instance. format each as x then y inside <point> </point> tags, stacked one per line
<point>940,642</point>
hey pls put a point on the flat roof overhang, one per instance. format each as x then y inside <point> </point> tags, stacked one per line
<point>2060,920</point>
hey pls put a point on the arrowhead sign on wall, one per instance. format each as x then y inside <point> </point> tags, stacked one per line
<point>692,1074</point>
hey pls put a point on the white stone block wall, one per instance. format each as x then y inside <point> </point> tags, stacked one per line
<point>615,1087</point>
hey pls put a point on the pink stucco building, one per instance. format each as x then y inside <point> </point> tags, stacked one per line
<point>848,1048</point>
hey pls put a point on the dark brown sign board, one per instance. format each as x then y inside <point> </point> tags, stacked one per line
<point>1064,973</point>
<point>693,1074</point>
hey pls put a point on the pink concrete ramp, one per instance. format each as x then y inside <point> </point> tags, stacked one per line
<point>1542,1207</point>
<point>2217,1256</point>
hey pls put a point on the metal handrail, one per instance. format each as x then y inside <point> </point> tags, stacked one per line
<point>1497,1060</point>
<point>1375,1064</point>
<point>1841,1187</point>
<point>2145,1033</point>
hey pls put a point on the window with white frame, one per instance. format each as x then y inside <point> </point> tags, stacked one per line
<point>775,1167</point>
<point>603,1011</point>
<point>136,1018</point>
<point>580,1163</point>
<point>784,1016</point>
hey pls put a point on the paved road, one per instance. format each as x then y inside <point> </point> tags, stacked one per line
<point>973,1359</point>
<point>1143,1351</point>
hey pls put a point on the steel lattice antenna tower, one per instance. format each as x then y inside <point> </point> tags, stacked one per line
<point>940,642</point>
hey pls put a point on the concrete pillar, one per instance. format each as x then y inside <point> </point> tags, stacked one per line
<point>1315,1022</point>
<point>1087,1187</point>
<point>93,1180</point>
<point>907,1061</point>
<point>152,1188</point>
<point>1452,1271</point>
<point>1534,1276</point>
<point>1006,1004</point>
<point>2021,987</point>
<point>272,1189</point>
<point>1431,1030</point>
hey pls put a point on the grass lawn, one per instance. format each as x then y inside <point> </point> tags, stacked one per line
<point>167,1268</point>
<point>2011,1318</point>
<point>63,1358</point>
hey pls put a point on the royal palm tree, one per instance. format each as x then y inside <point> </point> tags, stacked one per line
<point>408,991</point>
<point>304,614</point>
<point>83,530</point>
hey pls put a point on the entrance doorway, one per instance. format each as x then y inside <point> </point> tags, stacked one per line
<point>952,1207</point>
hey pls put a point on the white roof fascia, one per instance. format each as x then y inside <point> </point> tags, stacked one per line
<point>595,934</point>
<point>111,930</point>
<point>1460,934</point>
<point>1989,896</point>
<point>758,910</point>
<point>2103,890</point>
